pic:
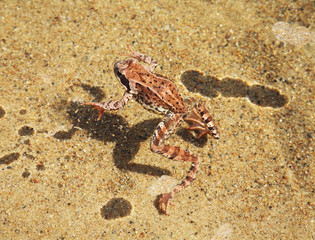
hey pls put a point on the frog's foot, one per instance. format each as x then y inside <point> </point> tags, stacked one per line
<point>201,121</point>
<point>131,53</point>
<point>97,106</point>
<point>196,123</point>
<point>166,200</point>
<point>110,105</point>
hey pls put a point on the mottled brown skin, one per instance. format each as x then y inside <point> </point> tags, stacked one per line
<point>160,94</point>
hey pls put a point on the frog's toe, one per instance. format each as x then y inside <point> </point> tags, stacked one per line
<point>166,201</point>
<point>97,107</point>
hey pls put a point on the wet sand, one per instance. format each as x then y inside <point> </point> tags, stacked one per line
<point>65,175</point>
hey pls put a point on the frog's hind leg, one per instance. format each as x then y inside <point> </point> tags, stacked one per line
<point>196,123</point>
<point>163,131</point>
<point>201,121</point>
<point>207,119</point>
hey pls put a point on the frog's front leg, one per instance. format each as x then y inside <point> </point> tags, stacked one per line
<point>144,58</point>
<point>110,105</point>
<point>163,131</point>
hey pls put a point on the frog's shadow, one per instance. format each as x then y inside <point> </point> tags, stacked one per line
<point>114,128</point>
<point>211,86</point>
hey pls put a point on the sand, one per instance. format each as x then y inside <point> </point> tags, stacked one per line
<point>65,175</point>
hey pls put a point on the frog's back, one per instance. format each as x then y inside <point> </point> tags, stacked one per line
<point>156,92</point>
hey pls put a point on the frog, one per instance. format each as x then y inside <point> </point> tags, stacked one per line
<point>159,94</point>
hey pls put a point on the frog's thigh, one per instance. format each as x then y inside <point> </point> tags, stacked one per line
<point>165,129</point>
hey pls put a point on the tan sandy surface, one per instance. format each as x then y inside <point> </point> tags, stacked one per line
<point>64,175</point>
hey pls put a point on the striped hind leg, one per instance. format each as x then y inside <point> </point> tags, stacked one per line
<point>201,121</point>
<point>163,131</point>
<point>207,119</point>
